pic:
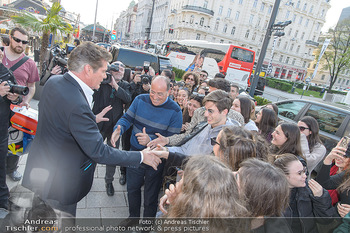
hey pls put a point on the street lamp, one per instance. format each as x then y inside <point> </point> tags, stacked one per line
<point>93,33</point>
<point>268,34</point>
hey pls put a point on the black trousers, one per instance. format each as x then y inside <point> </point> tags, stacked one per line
<point>4,192</point>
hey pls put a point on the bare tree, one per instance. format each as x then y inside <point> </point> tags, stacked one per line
<point>337,55</point>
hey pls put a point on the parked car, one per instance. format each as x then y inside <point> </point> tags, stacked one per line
<point>133,57</point>
<point>334,122</point>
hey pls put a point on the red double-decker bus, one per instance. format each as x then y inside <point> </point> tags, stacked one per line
<point>234,61</point>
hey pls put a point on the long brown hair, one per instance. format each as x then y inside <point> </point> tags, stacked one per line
<point>292,145</point>
<point>265,188</point>
<point>314,137</point>
<point>209,190</point>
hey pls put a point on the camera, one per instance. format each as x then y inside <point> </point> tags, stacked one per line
<point>17,89</point>
<point>2,48</point>
<point>59,57</point>
<point>146,79</point>
<point>108,79</point>
<point>113,67</point>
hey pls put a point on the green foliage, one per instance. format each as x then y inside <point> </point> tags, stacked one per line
<point>286,87</point>
<point>178,73</point>
<point>261,100</point>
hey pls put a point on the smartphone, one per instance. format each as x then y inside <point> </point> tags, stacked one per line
<point>346,143</point>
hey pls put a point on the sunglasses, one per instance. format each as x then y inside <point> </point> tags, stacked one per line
<point>302,128</point>
<point>213,142</point>
<point>19,41</point>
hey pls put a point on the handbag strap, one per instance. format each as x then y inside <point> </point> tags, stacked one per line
<point>19,63</point>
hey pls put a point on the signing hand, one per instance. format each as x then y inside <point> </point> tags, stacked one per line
<point>4,88</point>
<point>100,117</point>
<point>143,137</point>
<point>115,135</point>
<point>316,188</point>
<point>169,196</point>
<point>161,140</point>
<point>150,159</point>
<point>343,209</point>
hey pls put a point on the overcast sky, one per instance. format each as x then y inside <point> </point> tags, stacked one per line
<point>109,10</point>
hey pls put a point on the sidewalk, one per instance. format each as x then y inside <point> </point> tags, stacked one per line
<point>96,204</point>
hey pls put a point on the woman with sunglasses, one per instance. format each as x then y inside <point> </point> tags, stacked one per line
<point>191,80</point>
<point>306,199</point>
<point>311,144</point>
<point>339,181</point>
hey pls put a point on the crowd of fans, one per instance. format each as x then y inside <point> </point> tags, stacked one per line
<point>257,167</point>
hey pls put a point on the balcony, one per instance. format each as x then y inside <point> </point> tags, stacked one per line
<point>199,9</point>
<point>313,43</point>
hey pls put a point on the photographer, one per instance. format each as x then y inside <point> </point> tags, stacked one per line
<point>6,98</point>
<point>141,83</point>
<point>115,94</point>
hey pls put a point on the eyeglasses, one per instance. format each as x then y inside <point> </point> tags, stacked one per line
<point>19,41</point>
<point>213,142</point>
<point>191,79</point>
<point>302,128</point>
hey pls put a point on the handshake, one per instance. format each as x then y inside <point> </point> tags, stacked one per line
<point>153,153</point>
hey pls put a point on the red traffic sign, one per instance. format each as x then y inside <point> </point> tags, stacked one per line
<point>114,32</point>
<point>145,41</point>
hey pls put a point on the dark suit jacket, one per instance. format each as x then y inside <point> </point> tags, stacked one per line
<point>68,144</point>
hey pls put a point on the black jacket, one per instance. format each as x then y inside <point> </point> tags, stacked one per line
<point>107,95</point>
<point>308,207</point>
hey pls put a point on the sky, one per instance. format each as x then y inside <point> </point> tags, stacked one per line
<point>109,10</point>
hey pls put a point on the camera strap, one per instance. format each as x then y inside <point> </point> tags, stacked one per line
<point>19,63</point>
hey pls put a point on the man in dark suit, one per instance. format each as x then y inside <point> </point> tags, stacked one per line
<point>68,144</point>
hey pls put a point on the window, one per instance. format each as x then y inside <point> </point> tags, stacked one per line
<point>287,14</point>
<point>221,41</point>
<point>296,33</point>
<point>220,10</point>
<point>262,7</point>
<point>229,12</point>
<point>201,22</point>
<point>302,35</point>
<point>247,33</point>
<point>258,21</point>
<point>205,5</point>
<point>254,36</point>
<point>255,3</point>
<point>322,13</point>
<point>304,8</point>
<point>269,10</point>
<point>293,62</point>
<point>251,19</point>
<point>311,9</point>
<point>304,64</point>
<point>290,109</point>
<point>198,37</point>
<point>285,45</point>
<point>240,2</point>
<point>298,48</point>
<point>279,42</point>
<point>323,76</point>
<point>298,4</point>
<point>307,22</point>
<point>262,38</point>
<point>314,66</point>
<point>237,15</point>
<point>301,20</point>
<point>318,26</point>
<point>291,47</point>
<point>339,80</point>
<point>225,28</point>
<point>329,120</point>
<point>294,18</point>
<point>281,58</point>
<point>216,25</point>
<point>191,19</point>
<point>314,38</point>
<point>289,31</point>
<point>287,60</point>
<point>233,30</point>
<point>347,82</point>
